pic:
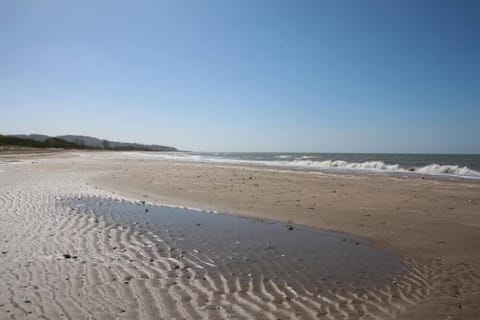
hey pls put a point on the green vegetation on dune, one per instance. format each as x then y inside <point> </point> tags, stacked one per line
<point>48,143</point>
<point>76,142</point>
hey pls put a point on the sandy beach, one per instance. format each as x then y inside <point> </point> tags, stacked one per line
<point>59,259</point>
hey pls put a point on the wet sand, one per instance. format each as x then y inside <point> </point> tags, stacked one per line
<point>433,226</point>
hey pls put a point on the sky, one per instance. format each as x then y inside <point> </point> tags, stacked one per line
<point>298,76</point>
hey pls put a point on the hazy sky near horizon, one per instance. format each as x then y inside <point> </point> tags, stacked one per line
<point>332,76</point>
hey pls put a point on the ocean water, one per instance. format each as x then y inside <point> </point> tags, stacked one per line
<point>443,165</point>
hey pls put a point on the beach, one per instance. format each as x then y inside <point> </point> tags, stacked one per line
<point>61,259</point>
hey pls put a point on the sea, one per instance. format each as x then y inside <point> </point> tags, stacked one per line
<point>464,166</point>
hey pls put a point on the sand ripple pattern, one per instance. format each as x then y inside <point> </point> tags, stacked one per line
<point>116,271</point>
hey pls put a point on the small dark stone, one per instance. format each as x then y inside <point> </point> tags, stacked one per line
<point>67,256</point>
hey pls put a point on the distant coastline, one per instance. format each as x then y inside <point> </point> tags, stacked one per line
<point>76,142</point>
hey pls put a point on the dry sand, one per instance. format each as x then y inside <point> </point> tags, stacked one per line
<point>433,224</point>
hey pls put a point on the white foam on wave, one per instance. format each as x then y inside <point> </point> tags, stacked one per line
<point>448,169</point>
<point>433,169</point>
<point>368,165</point>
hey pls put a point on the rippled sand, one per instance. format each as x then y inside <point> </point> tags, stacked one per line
<point>67,251</point>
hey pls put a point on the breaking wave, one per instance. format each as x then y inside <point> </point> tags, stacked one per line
<point>379,165</point>
<point>445,169</point>
<point>375,165</point>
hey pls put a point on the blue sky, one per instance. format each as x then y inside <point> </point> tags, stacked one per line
<point>332,76</point>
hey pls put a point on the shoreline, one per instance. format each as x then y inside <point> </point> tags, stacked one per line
<point>172,197</point>
<point>410,171</point>
<point>433,223</point>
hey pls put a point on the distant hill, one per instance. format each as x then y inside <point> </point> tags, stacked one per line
<point>76,142</point>
<point>37,137</point>
<point>49,142</point>
<point>113,145</point>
